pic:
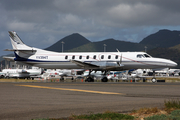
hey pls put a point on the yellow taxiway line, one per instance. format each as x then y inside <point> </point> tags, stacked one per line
<point>77,90</point>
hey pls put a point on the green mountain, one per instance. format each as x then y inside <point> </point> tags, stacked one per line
<point>176,47</point>
<point>89,47</point>
<point>70,42</point>
<point>162,38</point>
<point>78,43</point>
<point>122,46</point>
<point>111,46</point>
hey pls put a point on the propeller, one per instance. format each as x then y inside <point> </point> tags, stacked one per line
<point>119,63</point>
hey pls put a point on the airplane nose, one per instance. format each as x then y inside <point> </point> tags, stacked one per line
<point>171,64</point>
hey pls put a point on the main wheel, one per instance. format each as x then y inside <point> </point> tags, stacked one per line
<point>89,79</point>
<point>104,79</point>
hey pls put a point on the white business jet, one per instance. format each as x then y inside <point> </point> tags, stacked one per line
<point>97,61</point>
<point>22,73</point>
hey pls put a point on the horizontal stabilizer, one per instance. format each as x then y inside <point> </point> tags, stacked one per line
<point>20,50</point>
<point>9,58</point>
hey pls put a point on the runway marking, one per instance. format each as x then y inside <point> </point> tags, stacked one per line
<point>77,90</point>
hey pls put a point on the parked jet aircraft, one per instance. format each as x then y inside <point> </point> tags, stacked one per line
<point>97,61</point>
<point>62,73</point>
<point>21,73</point>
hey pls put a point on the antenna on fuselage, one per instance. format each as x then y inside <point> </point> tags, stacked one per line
<point>117,50</point>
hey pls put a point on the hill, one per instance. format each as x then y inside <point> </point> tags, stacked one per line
<point>70,42</point>
<point>111,46</point>
<point>162,38</point>
<point>177,47</point>
<point>123,46</point>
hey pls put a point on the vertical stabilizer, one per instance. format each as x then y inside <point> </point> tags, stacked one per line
<point>17,43</point>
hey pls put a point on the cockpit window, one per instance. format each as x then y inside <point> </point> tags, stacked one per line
<point>143,56</point>
<point>147,56</point>
<point>140,56</point>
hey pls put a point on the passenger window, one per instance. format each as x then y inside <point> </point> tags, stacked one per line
<point>94,57</point>
<point>80,57</point>
<point>109,57</point>
<point>116,57</point>
<point>73,57</point>
<point>102,56</point>
<point>87,57</point>
<point>66,57</point>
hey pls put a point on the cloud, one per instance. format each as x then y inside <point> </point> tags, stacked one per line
<point>20,26</point>
<point>50,20</point>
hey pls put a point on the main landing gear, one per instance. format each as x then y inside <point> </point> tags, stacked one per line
<point>91,78</point>
<point>104,79</point>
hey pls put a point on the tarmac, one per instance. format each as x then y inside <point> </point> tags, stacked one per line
<point>26,100</point>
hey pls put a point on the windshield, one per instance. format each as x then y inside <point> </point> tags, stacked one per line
<point>140,56</point>
<point>143,56</point>
<point>147,56</point>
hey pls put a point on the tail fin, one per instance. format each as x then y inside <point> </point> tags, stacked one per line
<point>20,49</point>
<point>17,43</point>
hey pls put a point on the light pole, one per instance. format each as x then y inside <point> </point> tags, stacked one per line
<point>62,45</point>
<point>105,47</point>
<point>145,48</point>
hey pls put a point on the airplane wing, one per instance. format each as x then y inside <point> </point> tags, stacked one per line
<point>84,65</point>
<point>98,65</point>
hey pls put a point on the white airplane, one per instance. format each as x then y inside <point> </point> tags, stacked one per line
<point>93,75</point>
<point>97,61</point>
<point>140,72</point>
<point>111,75</point>
<point>62,72</point>
<point>21,73</point>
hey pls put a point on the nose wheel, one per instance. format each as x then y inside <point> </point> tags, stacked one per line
<point>154,80</point>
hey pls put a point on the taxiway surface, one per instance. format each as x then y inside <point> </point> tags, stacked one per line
<point>55,100</point>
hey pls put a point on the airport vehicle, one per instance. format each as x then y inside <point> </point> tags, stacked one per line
<point>97,61</point>
<point>21,73</point>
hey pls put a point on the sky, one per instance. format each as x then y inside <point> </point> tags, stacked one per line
<point>41,23</point>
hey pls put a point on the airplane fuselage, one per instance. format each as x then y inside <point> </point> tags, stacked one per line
<point>105,60</point>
